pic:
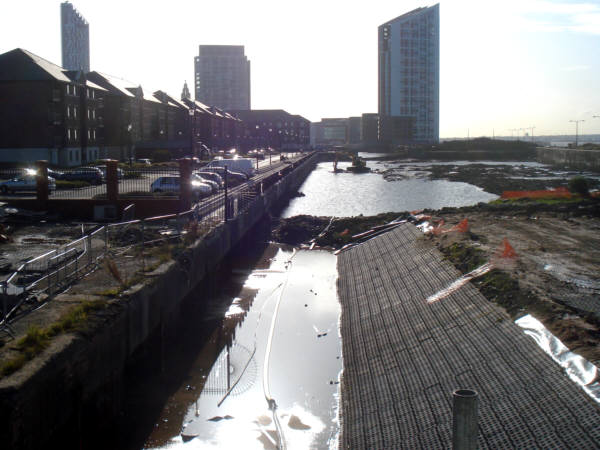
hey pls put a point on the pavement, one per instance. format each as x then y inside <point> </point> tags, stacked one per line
<point>403,358</point>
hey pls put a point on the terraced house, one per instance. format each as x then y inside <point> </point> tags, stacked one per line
<point>48,112</point>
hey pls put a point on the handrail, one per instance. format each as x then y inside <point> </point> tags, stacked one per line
<point>85,241</point>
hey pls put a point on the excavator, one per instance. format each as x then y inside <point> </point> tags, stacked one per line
<point>358,164</point>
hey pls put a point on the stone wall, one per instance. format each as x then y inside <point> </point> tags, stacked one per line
<point>77,385</point>
<point>570,158</point>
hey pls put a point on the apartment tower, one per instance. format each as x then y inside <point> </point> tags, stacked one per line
<point>223,77</point>
<point>75,37</point>
<point>409,77</point>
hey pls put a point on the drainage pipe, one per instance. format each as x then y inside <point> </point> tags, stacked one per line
<point>464,429</point>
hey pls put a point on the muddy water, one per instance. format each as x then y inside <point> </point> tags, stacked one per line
<point>222,400</point>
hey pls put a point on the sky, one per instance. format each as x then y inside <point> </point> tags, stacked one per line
<point>506,65</point>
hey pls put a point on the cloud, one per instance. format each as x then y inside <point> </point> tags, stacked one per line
<point>550,16</point>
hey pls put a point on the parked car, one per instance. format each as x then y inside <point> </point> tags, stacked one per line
<point>172,184</point>
<point>233,178</point>
<point>92,175</point>
<point>240,165</point>
<point>214,186</point>
<point>211,176</point>
<point>55,174</point>
<point>24,183</point>
<point>120,173</point>
<point>144,161</point>
<point>256,153</point>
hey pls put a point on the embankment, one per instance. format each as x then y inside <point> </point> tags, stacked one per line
<point>570,157</point>
<point>74,390</point>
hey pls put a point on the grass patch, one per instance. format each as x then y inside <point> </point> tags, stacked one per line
<point>536,201</point>
<point>111,292</point>
<point>37,339</point>
<point>464,257</point>
<point>496,285</point>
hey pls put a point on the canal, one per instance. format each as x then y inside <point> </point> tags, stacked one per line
<point>257,363</point>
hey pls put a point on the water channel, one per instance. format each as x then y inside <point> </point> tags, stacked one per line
<point>259,366</point>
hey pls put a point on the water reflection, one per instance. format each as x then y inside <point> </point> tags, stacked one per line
<point>347,194</point>
<point>224,406</point>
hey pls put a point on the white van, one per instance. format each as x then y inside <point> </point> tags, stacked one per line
<point>242,165</point>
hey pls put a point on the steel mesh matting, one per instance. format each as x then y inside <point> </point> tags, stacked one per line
<point>404,357</point>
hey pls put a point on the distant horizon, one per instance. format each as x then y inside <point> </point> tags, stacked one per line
<point>503,66</point>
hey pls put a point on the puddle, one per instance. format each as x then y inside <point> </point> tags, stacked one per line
<point>225,405</point>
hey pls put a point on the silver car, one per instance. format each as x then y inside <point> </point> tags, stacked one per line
<point>23,183</point>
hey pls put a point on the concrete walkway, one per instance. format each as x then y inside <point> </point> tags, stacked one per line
<point>404,357</point>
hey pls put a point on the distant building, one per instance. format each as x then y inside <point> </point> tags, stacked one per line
<point>75,38</point>
<point>274,128</point>
<point>369,131</point>
<point>409,73</point>
<point>185,93</point>
<point>354,128</point>
<point>329,132</point>
<point>223,77</point>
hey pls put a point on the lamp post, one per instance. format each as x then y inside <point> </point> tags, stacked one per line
<point>129,129</point>
<point>577,130</point>
<point>531,128</point>
<point>192,131</point>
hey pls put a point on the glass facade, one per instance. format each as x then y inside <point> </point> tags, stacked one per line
<point>75,37</point>
<point>409,72</point>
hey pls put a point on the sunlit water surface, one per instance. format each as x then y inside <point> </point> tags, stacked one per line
<point>346,194</point>
<point>227,407</point>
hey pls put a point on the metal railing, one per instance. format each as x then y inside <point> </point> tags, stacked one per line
<point>136,181</point>
<point>51,272</point>
<point>86,182</point>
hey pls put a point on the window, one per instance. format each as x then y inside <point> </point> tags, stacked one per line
<point>89,134</point>
<point>93,113</point>
<point>70,154</point>
<point>94,133</point>
<point>68,111</point>
<point>75,133</point>
<point>69,134</point>
<point>74,90</point>
<point>89,113</point>
<point>68,89</point>
<point>75,111</point>
<point>88,93</point>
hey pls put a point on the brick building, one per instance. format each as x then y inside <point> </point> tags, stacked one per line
<point>48,112</point>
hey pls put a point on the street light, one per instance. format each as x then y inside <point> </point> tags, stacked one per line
<point>576,129</point>
<point>129,129</point>
<point>192,122</point>
<point>531,128</point>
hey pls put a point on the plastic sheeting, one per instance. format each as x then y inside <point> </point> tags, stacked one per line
<point>579,369</point>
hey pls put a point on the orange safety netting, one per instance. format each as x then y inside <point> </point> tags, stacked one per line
<point>461,227</point>
<point>559,192</point>
<point>507,250</point>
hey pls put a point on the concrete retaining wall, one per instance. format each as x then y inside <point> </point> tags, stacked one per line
<point>78,383</point>
<point>570,157</point>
